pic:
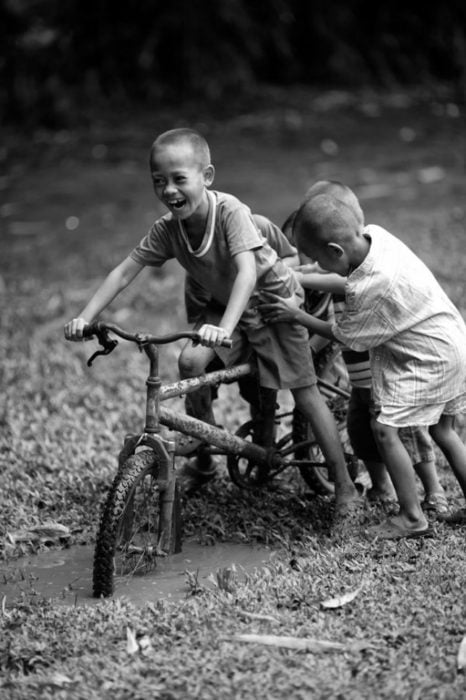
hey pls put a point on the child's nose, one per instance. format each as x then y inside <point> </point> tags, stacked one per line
<point>169,188</point>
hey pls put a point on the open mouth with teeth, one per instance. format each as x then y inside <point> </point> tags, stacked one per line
<point>179,204</point>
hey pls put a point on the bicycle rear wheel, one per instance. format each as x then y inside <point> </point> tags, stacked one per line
<point>130,529</point>
<point>244,472</point>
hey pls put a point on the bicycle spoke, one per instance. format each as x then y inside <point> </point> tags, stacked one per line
<point>136,540</point>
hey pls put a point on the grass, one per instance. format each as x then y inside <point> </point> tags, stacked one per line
<point>62,424</point>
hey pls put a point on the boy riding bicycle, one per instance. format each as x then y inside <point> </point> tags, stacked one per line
<point>214,237</point>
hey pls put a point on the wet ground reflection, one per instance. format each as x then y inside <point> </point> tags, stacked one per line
<point>66,575</point>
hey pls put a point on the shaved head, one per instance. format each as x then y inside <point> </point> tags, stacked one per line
<point>332,188</point>
<point>193,139</point>
<point>325,219</point>
<point>338,190</point>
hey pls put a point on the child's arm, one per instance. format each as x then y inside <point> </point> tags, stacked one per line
<point>322,281</point>
<point>241,291</point>
<point>280,310</point>
<point>119,278</point>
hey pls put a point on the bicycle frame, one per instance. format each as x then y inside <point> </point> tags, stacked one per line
<point>157,415</point>
<point>159,466</point>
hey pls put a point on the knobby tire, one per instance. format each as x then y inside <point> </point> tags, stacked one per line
<point>123,513</point>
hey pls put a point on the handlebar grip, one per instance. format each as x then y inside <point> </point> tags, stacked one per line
<point>89,330</point>
<point>227,342</point>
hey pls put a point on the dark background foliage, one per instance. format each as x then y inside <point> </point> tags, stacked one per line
<point>60,58</point>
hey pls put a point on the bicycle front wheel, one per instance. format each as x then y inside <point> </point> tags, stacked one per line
<point>131,530</point>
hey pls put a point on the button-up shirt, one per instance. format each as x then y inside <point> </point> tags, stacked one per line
<point>416,337</point>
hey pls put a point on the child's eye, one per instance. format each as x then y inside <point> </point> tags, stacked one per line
<point>158,182</point>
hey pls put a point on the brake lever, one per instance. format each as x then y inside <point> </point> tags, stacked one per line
<point>108,345</point>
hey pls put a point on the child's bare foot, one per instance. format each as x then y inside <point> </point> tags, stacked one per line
<point>399,527</point>
<point>376,495</point>
<point>350,503</point>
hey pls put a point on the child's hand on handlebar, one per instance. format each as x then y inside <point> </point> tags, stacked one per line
<point>74,329</point>
<point>212,335</point>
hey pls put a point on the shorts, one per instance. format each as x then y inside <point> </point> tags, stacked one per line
<point>281,350</point>
<point>416,439</point>
<point>430,414</point>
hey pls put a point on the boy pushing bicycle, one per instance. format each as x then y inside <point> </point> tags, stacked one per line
<point>416,338</point>
<point>214,237</point>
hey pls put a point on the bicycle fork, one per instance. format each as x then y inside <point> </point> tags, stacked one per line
<point>163,448</point>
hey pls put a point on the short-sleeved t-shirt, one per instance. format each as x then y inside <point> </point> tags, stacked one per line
<point>230,230</point>
<point>197,296</point>
<point>282,349</point>
<point>416,337</point>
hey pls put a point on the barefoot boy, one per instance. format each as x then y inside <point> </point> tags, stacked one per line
<point>415,336</point>
<point>213,236</point>
<point>416,439</point>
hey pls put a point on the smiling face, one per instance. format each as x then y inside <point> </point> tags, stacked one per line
<point>180,178</point>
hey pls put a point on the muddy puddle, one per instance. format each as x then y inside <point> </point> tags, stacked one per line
<point>66,575</point>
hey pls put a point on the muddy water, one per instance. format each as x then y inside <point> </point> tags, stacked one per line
<point>66,575</point>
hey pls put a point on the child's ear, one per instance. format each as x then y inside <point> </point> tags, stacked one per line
<point>209,174</point>
<point>336,249</point>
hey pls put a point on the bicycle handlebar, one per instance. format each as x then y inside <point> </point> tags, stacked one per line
<point>101,331</point>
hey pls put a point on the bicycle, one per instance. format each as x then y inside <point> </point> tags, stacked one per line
<point>141,517</point>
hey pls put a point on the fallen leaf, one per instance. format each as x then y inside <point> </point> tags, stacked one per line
<point>131,644</point>
<point>59,679</point>
<point>301,643</point>
<point>461,658</point>
<point>341,600</point>
<point>22,536</point>
<point>51,529</point>
<point>4,612</point>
